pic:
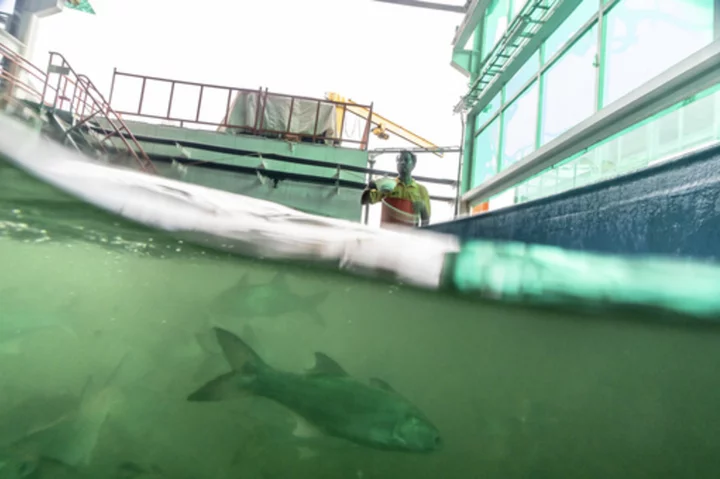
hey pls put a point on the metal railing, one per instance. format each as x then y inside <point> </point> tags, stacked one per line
<point>75,93</point>
<point>19,80</point>
<point>226,98</point>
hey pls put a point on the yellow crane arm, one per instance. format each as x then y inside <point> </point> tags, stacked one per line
<point>382,123</point>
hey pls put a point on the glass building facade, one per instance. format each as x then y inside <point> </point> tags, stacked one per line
<point>603,50</point>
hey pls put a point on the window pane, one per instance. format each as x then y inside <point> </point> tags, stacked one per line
<point>496,22</point>
<point>646,37</point>
<point>485,154</point>
<point>570,88</point>
<point>522,76</point>
<point>673,131</point>
<point>487,113</point>
<point>570,27</point>
<point>520,122</point>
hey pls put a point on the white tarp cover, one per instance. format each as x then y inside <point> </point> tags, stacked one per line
<point>243,113</point>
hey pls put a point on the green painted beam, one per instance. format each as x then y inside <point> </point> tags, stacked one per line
<point>473,19</point>
<point>80,5</point>
<point>462,61</point>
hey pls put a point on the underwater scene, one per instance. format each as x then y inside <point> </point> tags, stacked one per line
<point>126,352</point>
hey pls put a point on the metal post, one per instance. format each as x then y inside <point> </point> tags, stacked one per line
<point>170,100</point>
<point>371,166</point>
<point>142,96</point>
<point>226,121</point>
<point>112,86</point>
<point>458,185</point>
<point>199,104</point>
<point>366,134</point>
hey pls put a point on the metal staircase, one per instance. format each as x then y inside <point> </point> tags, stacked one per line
<point>68,107</point>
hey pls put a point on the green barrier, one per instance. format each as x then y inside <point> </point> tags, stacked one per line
<point>545,274</point>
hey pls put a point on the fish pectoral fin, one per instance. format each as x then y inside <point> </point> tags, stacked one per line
<point>379,383</point>
<point>305,429</point>
<point>324,365</point>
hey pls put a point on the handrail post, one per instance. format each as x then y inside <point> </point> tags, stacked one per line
<point>289,124</point>
<point>226,119</point>
<point>170,100</point>
<point>257,110</point>
<point>142,96</point>
<point>112,86</point>
<point>262,112</point>
<point>47,79</point>
<point>317,120</point>
<point>366,133</point>
<point>199,104</point>
<point>342,125</point>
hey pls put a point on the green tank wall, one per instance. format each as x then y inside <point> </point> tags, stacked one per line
<point>229,162</point>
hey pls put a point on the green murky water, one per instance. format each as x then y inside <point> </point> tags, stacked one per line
<point>103,334</point>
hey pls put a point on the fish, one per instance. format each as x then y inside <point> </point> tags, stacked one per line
<point>61,429</point>
<point>21,432</point>
<point>73,443</point>
<point>34,415</point>
<point>25,429</point>
<point>271,299</point>
<point>326,398</point>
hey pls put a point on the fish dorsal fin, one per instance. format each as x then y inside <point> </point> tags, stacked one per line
<point>326,366</point>
<point>379,383</point>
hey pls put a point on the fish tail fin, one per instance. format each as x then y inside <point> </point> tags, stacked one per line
<point>245,364</point>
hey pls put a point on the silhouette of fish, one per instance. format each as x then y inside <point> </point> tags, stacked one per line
<point>327,398</point>
<point>271,299</point>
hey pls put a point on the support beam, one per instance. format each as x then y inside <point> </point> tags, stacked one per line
<point>685,79</point>
<point>423,4</point>
<point>439,149</point>
<point>475,13</point>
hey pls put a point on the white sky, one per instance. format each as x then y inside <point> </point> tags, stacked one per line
<point>397,57</point>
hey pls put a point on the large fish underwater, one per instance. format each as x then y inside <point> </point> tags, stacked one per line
<point>327,397</point>
<point>271,299</point>
<point>59,431</point>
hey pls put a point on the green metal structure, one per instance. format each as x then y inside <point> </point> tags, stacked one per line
<point>563,93</point>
